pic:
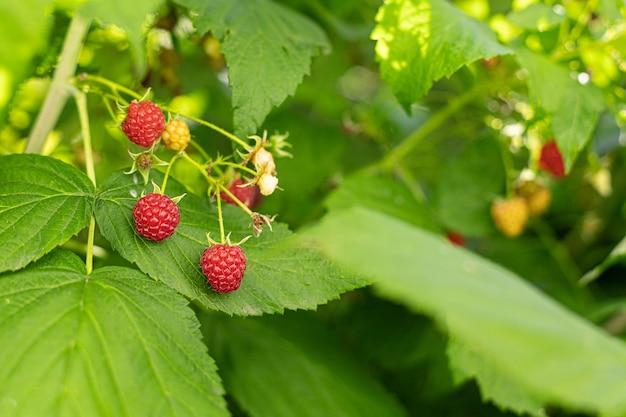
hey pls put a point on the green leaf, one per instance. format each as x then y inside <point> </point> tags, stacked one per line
<point>268,49</point>
<point>421,41</point>
<point>494,385</point>
<point>468,185</point>
<point>383,194</point>
<point>574,109</point>
<point>23,31</point>
<point>129,18</point>
<point>617,256</point>
<point>292,366</point>
<point>43,202</point>
<point>537,16</point>
<point>280,274</point>
<point>114,343</point>
<point>548,353</point>
<point>530,258</point>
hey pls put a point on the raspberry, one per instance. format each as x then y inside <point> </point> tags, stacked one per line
<point>510,215</point>
<point>456,239</point>
<point>176,135</point>
<point>249,195</point>
<point>144,123</point>
<point>537,197</point>
<point>156,217</point>
<point>551,159</point>
<point>223,266</point>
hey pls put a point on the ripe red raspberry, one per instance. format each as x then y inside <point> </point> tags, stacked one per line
<point>144,123</point>
<point>456,239</point>
<point>551,159</point>
<point>249,195</point>
<point>156,216</point>
<point>223,266</point>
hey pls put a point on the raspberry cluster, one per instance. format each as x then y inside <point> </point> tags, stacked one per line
<point>156,216</point>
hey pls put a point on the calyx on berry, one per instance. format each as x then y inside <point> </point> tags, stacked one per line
<point>143,162</point>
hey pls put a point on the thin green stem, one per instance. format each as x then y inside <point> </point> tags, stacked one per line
<point>212,126</point>
<point>83,116</point>
<point>167,172</point>
<point>89,253</point>
<point>390,161</point>
<point>235,199</point>
<point>111,84</point>
<point>236,166</point>
<point>574,34</point>
<point>216,184</point>
<point>507,163</point>
<point>105,100</point>
<point>199,167</point>
<point>220,219</point>
<point>58,92</point>
<point>117,87</point>
<point>411,182</point>
<point>200,150</point>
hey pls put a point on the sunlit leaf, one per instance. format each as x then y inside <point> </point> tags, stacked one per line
<point>421,41</point>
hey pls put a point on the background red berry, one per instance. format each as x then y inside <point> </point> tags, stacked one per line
<point>456,239</point>
<point>144,123</point>
<point>223,266</point>
<point>156,217</point>
<point>249,195</point>
<point>551,159</point>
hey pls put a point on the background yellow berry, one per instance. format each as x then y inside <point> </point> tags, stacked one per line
<point>176,135</point>
<point>537,196</point>
<point>510,215</point>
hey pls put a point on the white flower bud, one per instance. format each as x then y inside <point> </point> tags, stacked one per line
<point>264,161</point>
<point>267,184</point>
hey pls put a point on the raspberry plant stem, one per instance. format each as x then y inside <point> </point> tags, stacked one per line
<point>81,104</point>
<point>111,84</point>
<point>237,166</point>
<point>235,199</point>
<point>167,172</point>
<point>507,163</point>
<point>391,160</point>
<point>212,126</point>
<point>83,115</point>
<point>220,219</point>
<point>200,150</point>
<point>58,93</point>
<point>117,87</point>
<point>219,187</point>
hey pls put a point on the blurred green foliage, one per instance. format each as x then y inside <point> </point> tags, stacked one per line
<point>565,78</point>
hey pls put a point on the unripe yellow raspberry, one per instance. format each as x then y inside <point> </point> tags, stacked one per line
<point>176,135</point>
<point>537,196</point>
<point>510,215</point>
